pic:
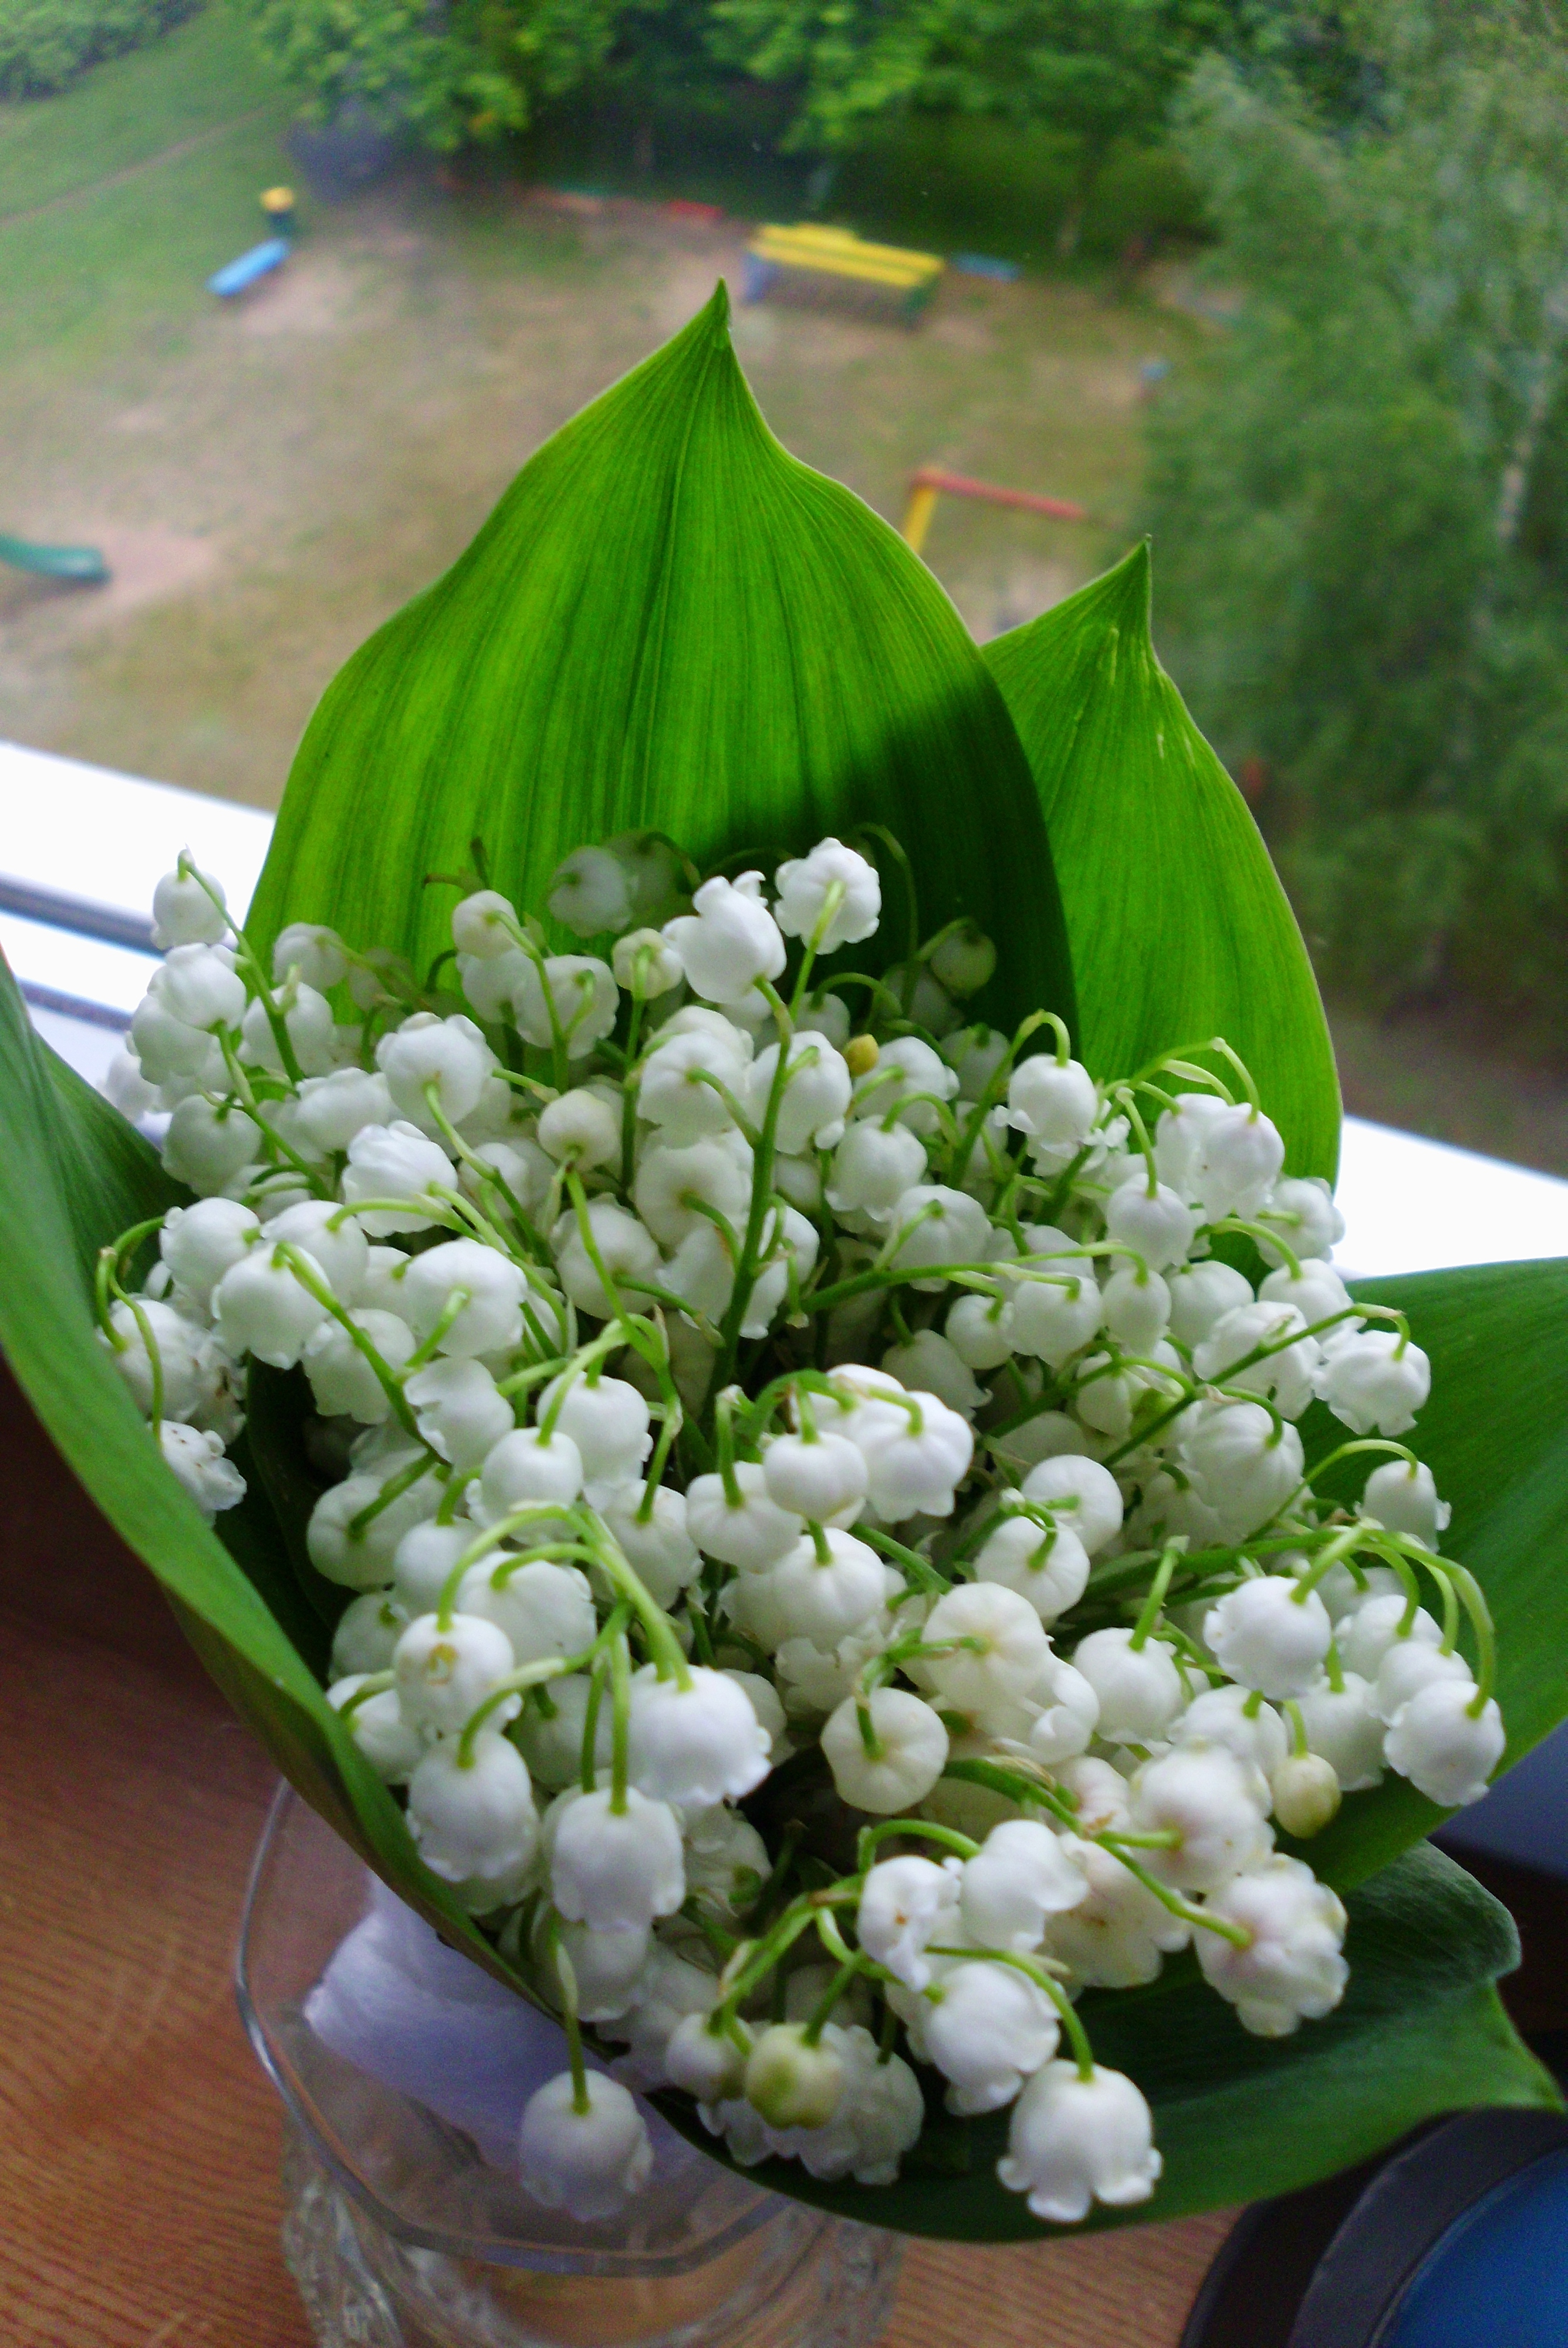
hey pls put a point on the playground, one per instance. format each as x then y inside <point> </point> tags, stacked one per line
<point>268,475</point>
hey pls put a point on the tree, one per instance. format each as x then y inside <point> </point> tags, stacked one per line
<point>1357,500</point>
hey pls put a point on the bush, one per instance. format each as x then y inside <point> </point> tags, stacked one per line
<point>45,44</point>
<point>1359,506</point>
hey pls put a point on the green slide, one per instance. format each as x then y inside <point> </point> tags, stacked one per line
<point>53,562</point>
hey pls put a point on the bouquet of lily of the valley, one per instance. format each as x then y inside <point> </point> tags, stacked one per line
<point>726,1338</point>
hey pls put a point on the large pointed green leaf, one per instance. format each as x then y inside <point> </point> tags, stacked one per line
<point>669,621</point>
<point>1495,1434</point>
<point>1177,925</point>
<point>1421,2031</point>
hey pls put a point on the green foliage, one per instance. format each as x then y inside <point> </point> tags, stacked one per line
<point>668,621</point>
<point>45,44</point>
<point>1359,501</point>
<point>1178,927</point>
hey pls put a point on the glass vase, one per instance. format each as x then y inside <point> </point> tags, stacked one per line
<point>406,2229</point>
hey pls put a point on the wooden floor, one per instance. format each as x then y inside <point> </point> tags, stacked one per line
<point>139,2149</point>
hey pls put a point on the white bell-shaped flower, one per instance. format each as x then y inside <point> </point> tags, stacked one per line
<point>394,1161</point>
<point>625,1250</point>
<point>645,965</point>
<point>975,1054</point>
<point>179,1346</point>
<point>423,1561</point>
<point>582,1128</point>
<point>333,1241</point>
<point>342,1380</point>
<point>906,1754</point>
<point>1342,1727</point>
<point>987,2028</point>
<point>332,1109</point>
<point>1304,1213</point>
<point>1410,1665</point>
<point>931,1363</point>
<point>184,913</point>
<point>822,1478</point>
<point>825,1599</point>
<point>750,1531</point>
<point>1402,1495</point>
<point>307,1019</point>
<point>313,951</point>
<point>1364,1636</point>
<point>1140,1689</point>
<point>206,1146</point>
<point>528,1465</point>
<point>904,1068</point>
<point>1002,1649</point>
<point>1239,1160</point>
<point>1317,1295</point>
<point>473,1817</point>
<point>544,1609</point>
<point>457,1410</point>
<point>198,1243</point>
<point>1023,1875</point>
<point>1286,1374</point>
<point>729,940</point>
<point>1200,1295</point>
<point>552,1742</point>
<point>670,1988</point>
<point>1075,2141</point>
<point>938,1226</point>
<point>608,1422</point>
<point>445,1671</point>
<point>1055,1317</point>
<point>589,2164</point>
<point>1135,1308</point>
<point>362,1559</point>
<point>607,1967</point>
<point>1446,1749</point>
<point>727,1860</point>
<point>1292,1969</point>
<point>878,2117</point>
<point>905,1904</point>
<point>520,1164</point>
<point>1179,1139</point>
<point>485,925</point>
<point>1155,1224</point>
<point>815,1095</point>
<point>262,1309</point>
<point>167,1047</point>
<point>1049,1567</point>
<point>367,1633</point>
<point>197,985</point>
<point>1244,1465</point>
<point>1120,1934</point>
<point>803,884</point>
<point>195,1456</point>
<point>874,1169</point>
<point>658,1547</point>
<point>1232,1717</point>
<point>1375,1382</point>
<point>979,1332</point>
<point>590,893</point>
<point>1080,1495</point>
<point>393,1748</point>
<point>674,1091</point>
<point>451,1055</point>
<point>490,1319</point>
<point>1053,1103</point>
<point>583,993</point>
<point>700,1742</point>
<point>615,1869</point>
<point>1270,1635</point>
<point>1218,1807</point>
<point>917,1452</point>
<point>674,1186</point>
<point>708,2065</point>
<point>1067,1716</point>
<point>491,981</point>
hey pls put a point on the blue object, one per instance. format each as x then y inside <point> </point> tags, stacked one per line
<point>759,275</point>
<point>236,275</point>
<point>978,264</point>
<point>1500,2274</point>
<point>1153,371</point>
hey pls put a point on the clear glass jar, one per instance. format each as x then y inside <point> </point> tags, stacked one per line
<point>401,2233</point>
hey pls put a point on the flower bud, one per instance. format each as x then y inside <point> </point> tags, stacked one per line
<point>582,1129</point>
<point>1306,1793</point>
<point>490,1321</point>
<point>790,2082</point>
<point>485,925</point>
<point>645,965</point>
<point>1140,1689</point>
<point>183,909</point>
<point>709,2065</point>
<point>964,961</point>
<point>1080,1494</point>
<point>591,892</point>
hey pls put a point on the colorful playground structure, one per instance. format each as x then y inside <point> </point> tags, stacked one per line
<point>809,251</point>
<point>931,481</point>
<point>82,563</point>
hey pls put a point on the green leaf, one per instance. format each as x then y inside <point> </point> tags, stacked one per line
<point>1177,925</point>
<point>1421,2031</point>
<point>73,1174</point>
<point>1495,1436</point>
<point>669,622</point>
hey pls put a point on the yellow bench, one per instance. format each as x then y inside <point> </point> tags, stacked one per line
<point>839,252</point>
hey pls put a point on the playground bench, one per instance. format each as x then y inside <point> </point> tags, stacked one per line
<point>811,250</point>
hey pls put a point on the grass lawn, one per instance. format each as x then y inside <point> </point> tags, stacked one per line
<point>273,477</point>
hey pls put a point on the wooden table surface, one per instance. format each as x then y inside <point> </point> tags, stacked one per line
<point>139,2152</point>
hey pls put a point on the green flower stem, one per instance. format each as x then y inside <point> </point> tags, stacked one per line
<point>484,1543</point>
<point>387,1377</point>
<point>582,1361</point>
<point>620,1719</point>
<point>565,1976</point>
<point>668,1655</point>
<point>452,1498</point>
<point>456,1305</point>
<point>518,1682</point>
<point>736,1109</point>
<point>1335,1668</point>
<point>1298,1745</point>
<point>112,1262</point>
<point>375,1683</point>
<point>1154,1602</point>
<point>491,1176</point>
<point>1038,1973</point>
<point>947,1838</point>
<point>1122,1097</point>
<point>393,1489</point>
<point>854,1965</point>
<point>1265,1236</point>
<point>311,1175</point>
<point>431,1208</point>
<point>764,1148</point>
<point>1187,1910</point>
<point>924,1574</point>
